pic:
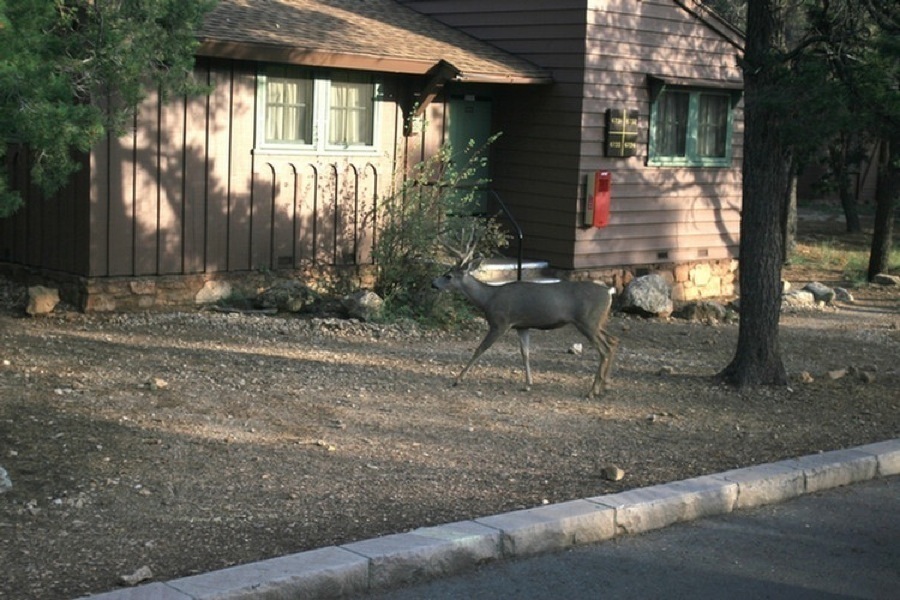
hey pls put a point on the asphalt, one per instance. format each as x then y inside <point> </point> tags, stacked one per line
<point>726,535</point>
<point>839,543</point>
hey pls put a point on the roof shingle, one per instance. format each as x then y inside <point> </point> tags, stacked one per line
<point>380,35</point>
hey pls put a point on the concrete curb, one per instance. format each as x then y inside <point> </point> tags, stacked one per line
<point>433,552</point>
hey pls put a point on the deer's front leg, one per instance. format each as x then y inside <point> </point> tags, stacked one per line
<point>524,347</point>
<point>492,336</point>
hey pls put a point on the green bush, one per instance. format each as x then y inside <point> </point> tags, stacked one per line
<point>428,224</point>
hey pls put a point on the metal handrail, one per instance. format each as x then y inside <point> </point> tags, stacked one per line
<point>518,230</point>
<point>509,216</point>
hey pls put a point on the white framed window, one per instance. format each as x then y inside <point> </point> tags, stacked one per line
<point>301,110</point>
<point>288,113</point>
<point>351,111</point>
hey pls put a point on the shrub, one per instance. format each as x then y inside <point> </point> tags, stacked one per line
<point>430,222</point>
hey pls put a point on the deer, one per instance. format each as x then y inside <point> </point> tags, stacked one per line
<point>526,305</point>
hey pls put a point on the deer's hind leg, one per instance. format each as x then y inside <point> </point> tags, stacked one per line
<point>524,347</point>
<point>612,343</point>
<point>606,346</point>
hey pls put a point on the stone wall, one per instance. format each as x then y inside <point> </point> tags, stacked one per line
<point>689,281</point>
<point>173,292</point>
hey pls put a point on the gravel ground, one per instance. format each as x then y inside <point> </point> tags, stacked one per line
<point>192,441</point>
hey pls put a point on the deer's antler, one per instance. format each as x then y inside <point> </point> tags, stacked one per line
<point>460,244</point>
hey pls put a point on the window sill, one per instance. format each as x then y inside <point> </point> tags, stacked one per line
<point>712,163</point>
<point>295,151</point>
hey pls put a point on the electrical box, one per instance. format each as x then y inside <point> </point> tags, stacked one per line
<point>596,203</point>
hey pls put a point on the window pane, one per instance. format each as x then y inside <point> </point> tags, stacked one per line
<point>289,113</point>
<point>712,125</point>
<point>351,112</point>
<point>671,124</point>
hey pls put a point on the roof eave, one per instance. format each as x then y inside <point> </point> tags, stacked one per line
<point>313,57</point>
<point>504,78</point>
<point>714,21</point>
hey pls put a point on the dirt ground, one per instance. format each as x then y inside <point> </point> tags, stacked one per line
<point>194,441</point>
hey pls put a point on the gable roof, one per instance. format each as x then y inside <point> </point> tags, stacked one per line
<point>714,21</point>
<point>371,35</point>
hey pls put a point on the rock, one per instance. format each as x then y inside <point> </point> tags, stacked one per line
<point>798,299</point>
<point>648,295</point>
<point>837,374</point>
<point>805,377</point>
<point>139,576</point>
<point>843,295</point>
<point>612,473</point>
<point>885,279</point>
<point>865,374</point>
<point>213,291</point>
<point>364,305</point>
<point>5,481</point>
<point>705,312</point>
<point>821,292</point>
<point>157,383</point>
<point>41,300</point>
<point>288,296</point>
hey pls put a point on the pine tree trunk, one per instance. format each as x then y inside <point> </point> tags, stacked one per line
<point>766,191</point>
<point>790,223</point>
<point>888,187</point>
<point>846,193</point>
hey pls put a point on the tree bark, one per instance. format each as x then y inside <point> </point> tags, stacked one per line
<point>767,167</point>
<point>790,223</point>
<point>846,191</point>
<point>886,191</point>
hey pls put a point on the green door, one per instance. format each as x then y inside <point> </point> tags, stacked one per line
<point>469,119</point>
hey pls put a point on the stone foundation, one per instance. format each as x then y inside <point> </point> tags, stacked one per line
<point>689,281</point>
<point>174,292</point>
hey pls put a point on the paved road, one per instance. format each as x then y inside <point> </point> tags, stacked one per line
<point>842,543</point>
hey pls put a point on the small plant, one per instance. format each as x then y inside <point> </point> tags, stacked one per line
<point>434,209</point>
<point>847,258</point>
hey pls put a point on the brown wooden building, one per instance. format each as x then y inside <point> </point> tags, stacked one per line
<point>316,104</point>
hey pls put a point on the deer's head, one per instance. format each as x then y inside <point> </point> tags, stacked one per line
<point>453,279</point>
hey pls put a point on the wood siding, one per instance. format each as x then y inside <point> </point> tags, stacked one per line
<point>186,191</point>
<point>535,162</point>
<point>659,214</point>
<point>46,233</point>
<point>600,53</point>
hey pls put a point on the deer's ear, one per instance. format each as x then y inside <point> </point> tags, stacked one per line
<point>474,265</point>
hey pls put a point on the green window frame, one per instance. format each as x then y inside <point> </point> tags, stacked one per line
<point>691,127</point>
